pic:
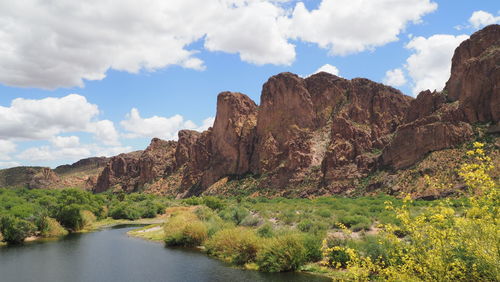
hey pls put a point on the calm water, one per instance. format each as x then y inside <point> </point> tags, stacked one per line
<point>110,255</point>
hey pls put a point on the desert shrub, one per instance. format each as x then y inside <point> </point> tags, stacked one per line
<point>312,245</point>
<point>125,210</point>
<point>376,247</point>
<point>15,230</point>
<point>323,212</point>
<point>235,245</point>
<point>439,244</point>
<point>250,220</point>
<point>213,203</point>
<point>305,225</point>
<point>49,227</point>
<point>185,229</point>
<point>204,213</point>
<point>266,230</point>
<point>70,217</point>
<point>193,201</point>
<point>355,222</point>
<point>334,253</point>
<point>282,253</point>
<point>288,216</point>
<point>235,214</point>
<point>87,218</point>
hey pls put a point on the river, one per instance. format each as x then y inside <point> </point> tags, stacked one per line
<point>110,255</point>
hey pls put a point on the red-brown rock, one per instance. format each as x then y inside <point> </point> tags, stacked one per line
<point>475,76</point>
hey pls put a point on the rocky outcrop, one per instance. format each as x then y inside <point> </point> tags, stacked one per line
<point>437,121</point>
<point>443,129</point>
<point>82,165</point>
<point>322,133</point>
<point>475,76</point>
<point>130,172</point>
<point>232,137</point>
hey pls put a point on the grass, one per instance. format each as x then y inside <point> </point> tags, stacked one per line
<point>153,232</point>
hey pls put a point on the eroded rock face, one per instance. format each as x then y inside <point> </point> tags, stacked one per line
<point>440,130</point>
<point>232,136</point>
<point>46,178</point>
<point>361,127</point>
<point>295,113</point>
<point>130,172</point>
<point>438,121</point>
<point>324,129</point>
<point>475,76</point>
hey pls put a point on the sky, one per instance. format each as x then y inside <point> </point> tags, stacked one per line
<point>102,77</point>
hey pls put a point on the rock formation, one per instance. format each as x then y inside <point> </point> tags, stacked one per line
<point>320,135</point>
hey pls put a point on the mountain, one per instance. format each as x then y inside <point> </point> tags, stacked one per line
<point>82,174</point>
<point>325,135</point>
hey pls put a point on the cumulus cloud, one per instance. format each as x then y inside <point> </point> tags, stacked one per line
<point>51,44</point>
<point>65,141</point>
<point>42,119</point>
<point>430,65</point>
<point>350,26</point>
<point>68,152</point>
<point>8,164</point>
<point>481,18</point>
<point>255,32</point>
<point>6,148</point>
<point>395,77</point>
<point>156,126</point>
<point>328,68</point>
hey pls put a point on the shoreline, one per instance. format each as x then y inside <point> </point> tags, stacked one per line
<point>154,233</point>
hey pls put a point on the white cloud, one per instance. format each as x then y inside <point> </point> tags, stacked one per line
<point>6,148</point>
<point>8,164</point>
<point>65,141</point>
<point>395,77</point>
<point>155,126</point>
<point>105,132</point>
<point>62,43</point>
<point>481,18</point>
<point>205,124</point>
<point>430,65</point>
<point>65,150</point>
<point>255,31</point>
<point>329,69</point>
<point>43,119</point>
<point>350,26</point>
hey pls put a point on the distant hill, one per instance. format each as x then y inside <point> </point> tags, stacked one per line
<point>82,174</point>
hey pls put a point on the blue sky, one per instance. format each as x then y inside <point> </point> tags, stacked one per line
<point>143,70</point>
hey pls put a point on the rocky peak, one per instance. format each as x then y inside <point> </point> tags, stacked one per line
<point>233,135</point>
<point>475,76</point>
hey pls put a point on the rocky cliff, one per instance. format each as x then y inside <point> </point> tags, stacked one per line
<point>323,135</point>
<point>319,135</point>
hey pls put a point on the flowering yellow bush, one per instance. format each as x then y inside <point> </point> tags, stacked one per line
<point>439,243</point>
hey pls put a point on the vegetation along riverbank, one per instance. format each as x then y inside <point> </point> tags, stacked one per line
<point>364,238</point>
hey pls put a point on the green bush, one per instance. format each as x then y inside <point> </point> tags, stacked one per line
<point>266,230</point>
<point>70,217</point>
<point>283,253</point>
<point>185,229</point>
<point>125,210</point>
<point>235,245</point>
<point>355,222</point>
<point>235,214</point>
<point>250,220</point>
<point>312,245</point>
<point>213,203</point>
<point>324,213</point>
<point>15,230</point>
<point>49,227</point>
